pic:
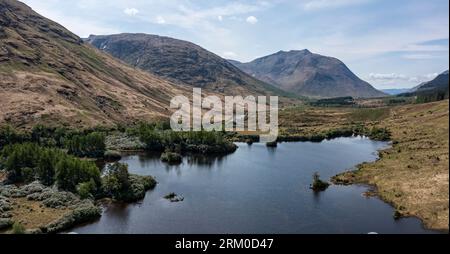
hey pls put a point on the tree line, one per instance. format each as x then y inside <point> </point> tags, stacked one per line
<point>27,162</point>
<point>87,143</point>
<point>159,138</point>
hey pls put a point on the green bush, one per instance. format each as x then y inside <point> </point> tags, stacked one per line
<point>87,189</point>
<point>158,138</point>
<point>318,185</point>
<point>71,171</point>
<point>28,160</point>
<point>18,228</point>
<point>171,157</point>
<point>9,135</point>
<point>120,185</point>
<point>16,157</point>
<point>91,145</point>
<point>28,175</point>
<point>380,134</point>
<point>46,167</point>
<point>116,181</point>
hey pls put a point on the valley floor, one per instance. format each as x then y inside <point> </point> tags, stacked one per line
<point>412,175</point>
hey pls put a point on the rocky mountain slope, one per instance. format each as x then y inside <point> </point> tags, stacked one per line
<point>48,74</point>
<point>308,74</point>
<point>181,61</point>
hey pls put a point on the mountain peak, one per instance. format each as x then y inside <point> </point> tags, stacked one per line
<point>18,17</point>
<point>309,74</point>
<point>180,61</point>
<point>292,52</point>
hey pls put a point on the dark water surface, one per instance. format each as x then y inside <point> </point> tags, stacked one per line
<point>256,190</point>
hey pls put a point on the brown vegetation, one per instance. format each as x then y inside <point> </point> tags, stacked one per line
<point>48,75</point>
<point>33,214</point>
<point>413,175</point>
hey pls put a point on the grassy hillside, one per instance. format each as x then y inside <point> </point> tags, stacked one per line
<point>414,174</point>
<point>48,75</point>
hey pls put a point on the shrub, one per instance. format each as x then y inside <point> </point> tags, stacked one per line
<point>121,185</point>
<point>46,168</point>
<point>171,157</point>
<point>380,134</point>
<point>90,145</point>
<point>71,171</point>
<point>173,197</point>
<point>28,175</point>
<point>318,185</point>
<point>170,195</point>
<point>158,138</point>
<point>18,228</point>
<point>87,189</point>
<point>30,160</point>
<point>116,181</point>
<point>10,136</point>
<point>19,156</point>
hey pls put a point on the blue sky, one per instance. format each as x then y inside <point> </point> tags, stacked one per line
<point>389,43</point>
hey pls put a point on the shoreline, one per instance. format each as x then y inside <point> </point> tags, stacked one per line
<point>367,188</point>
<point>412,175</point>
<point>102,203</point>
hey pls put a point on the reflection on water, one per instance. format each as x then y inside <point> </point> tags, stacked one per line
<point>256,190</point>
<point>206,161</point>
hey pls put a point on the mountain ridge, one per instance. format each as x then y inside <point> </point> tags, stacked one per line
<point>181,61</point>
<point>440,82</point>
<point>307,74</point>
<point>49,75</point>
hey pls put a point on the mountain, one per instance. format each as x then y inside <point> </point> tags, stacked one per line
<point>48,74</point>
<point>417,87</point>
<point>441,82</point>
<point>434,90</point>
<point>308,74</point>
<point>181,61</point>
<point>396,91</point>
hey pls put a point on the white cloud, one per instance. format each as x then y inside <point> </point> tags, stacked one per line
<point>220,18</point>
<point>252,20</point>
<point>394,77</point>
<point>160,20</point>
<point>131,11</point>
<point>334,41</point>
<point>390,76</point>
<point>323,4</point>
<point>420,56</point>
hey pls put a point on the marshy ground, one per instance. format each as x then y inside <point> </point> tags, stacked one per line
<point>413,175</point>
